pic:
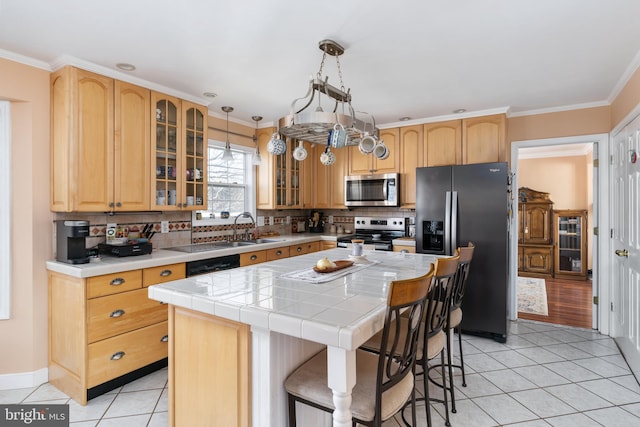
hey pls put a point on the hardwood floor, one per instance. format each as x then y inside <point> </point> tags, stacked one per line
<point>569,303</point>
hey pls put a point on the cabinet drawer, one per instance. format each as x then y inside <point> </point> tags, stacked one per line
<point>304,248</point>
<point>164,273</point>
<point>114,314</point>
<point>250,258</point>
<point>114,283</point>
<point>328,245</point>
<point>113,357</point>
<point>277,253</point>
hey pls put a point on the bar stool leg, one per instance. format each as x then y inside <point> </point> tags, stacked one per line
<point>464,380</point>
<point>450,366</point>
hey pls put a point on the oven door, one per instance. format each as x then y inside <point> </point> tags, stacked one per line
<point>372,190</point>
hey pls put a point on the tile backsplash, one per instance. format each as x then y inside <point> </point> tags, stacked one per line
<point>183,232</point>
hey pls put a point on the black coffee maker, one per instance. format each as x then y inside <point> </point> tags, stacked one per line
<point>70,241</point>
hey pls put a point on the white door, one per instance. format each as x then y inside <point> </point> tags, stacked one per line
<point>625,259</point>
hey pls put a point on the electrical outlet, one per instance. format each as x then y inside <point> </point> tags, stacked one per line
<point>260,221</point>
<point>288,219</point>
<point>271,222</point>
<point>330,219</point>
<point>112,225</point>
<point>164,226</point>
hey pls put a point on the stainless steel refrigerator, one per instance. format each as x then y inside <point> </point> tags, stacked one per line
<point>456,205</point>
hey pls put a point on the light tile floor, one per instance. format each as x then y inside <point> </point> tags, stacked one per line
<point>544,375</point>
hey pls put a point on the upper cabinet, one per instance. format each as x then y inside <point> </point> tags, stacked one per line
<point>363,164</point>
<point>411,146</point>
<point>484,139</point>
<point>329,180</point>
<point>99,144</point>
<point>119,147</point>
<point>179,154</point>
<point>281,179</point>
<point>442,143</point>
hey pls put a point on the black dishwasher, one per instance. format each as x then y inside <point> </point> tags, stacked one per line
<point>210,265</point>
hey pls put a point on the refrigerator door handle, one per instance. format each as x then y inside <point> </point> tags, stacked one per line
<point>454,222</point>
<point>447,223</point>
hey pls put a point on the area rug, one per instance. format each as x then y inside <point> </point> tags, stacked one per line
<point>532,296</point>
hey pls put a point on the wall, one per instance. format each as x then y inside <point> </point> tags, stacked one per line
<point>627,100</point>
<point>24,335</point>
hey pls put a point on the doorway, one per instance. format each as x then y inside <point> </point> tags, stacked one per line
<point>558,289</point>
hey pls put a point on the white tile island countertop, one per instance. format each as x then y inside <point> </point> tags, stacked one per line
<point>292,319</point>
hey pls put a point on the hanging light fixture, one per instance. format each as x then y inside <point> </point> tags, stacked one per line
<point>256,156</point>
<point>313,124</point>
<point>227,156</point>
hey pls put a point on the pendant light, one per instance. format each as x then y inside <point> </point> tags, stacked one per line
<point>256,156</point>
<point>227,156</point>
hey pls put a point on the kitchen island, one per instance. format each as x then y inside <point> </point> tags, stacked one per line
<point>235,335</point>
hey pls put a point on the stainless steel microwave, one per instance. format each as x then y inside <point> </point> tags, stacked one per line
<point>372,190</point>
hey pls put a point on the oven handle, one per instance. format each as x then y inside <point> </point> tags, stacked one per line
<point>385,190</point>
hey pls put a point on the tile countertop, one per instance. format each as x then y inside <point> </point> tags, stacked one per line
<point>113,264</point>
<point>343,313</point>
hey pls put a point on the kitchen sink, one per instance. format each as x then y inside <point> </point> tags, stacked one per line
<point>264,241</point>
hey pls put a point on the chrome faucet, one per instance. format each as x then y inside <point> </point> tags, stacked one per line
<point>235,221</point>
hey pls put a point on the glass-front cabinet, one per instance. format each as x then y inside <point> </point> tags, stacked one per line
<point>179,132</point>
<point>571,244</point>
<point>288,178</point>
<point>195,156</point>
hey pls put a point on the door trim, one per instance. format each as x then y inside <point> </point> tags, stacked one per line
<point>601,264</point>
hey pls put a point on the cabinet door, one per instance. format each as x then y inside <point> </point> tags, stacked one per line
<point>336,178</point>
<point>411,141</point>
<point>443,143</point>
<point>538,259</point>
<point>308,178</point>
<point>293,178</point>
<point>323,180</point>
<point>250,258</point>
<point>571,246</point>
<point>165,131</point>
<point>265,173</point>
<point>194,160</point>
<point>391,138</point>
<point>537,223</point>
<point>484,139</point>
<point>92,156</point>
<point>132,147</point>
<point>359,164</point>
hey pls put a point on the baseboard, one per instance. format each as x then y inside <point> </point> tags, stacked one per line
<point>24,379</point>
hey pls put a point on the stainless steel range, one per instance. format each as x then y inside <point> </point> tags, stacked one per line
<point>376,232</point>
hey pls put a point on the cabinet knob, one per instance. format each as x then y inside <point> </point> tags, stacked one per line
<point>119,205</point>
<point>278,253</point>
<point>526,230</point>
<point>164,338</point>
<point>117,281</point>
<point>299,249</point>
<point>117,313</point>
<point>111,204</point>
<point>117,356</point>
<point>165,273</point>
<point>254,257</point>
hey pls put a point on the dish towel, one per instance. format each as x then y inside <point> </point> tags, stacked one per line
<point>309,275</point>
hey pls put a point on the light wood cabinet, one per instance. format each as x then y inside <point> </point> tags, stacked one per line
<point>277,253</point>
<point>329,180</point>
<point>328,244</point>
<point>484,139</point>
<point>304,248</point>
<point>411,146</point>
<point>570,239</point>
<point>401,248</point>
<point>282,180</point>
<point>82,141</point>
<point>103,327</point>
<point>219,367</point>
<point>535,235</point>
<point>363,164</point>
<point>179,154</point>
<point>250,258</point>
<point>442,143</point>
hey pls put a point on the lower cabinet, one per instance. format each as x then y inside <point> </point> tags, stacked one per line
<point>250,258</point>
<point>304,248</point>
<point>328,244</point>
<point>219,367</point>
<point>104,331</point>
<point>400,248</point>
<point>535,261</point>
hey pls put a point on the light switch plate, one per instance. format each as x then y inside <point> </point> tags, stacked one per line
<point>260,222</point>
<point>164,226</point>
<point>271,222</point>
<point>330,219</point>
<point>288,219</point>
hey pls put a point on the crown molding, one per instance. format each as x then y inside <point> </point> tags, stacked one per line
<point>624,78</point>
<point>560,109</point>
<point>447,117</point>
<point>16,57</point>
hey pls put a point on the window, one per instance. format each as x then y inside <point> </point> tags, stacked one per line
<point>5,206</point>
<point>230,184</point>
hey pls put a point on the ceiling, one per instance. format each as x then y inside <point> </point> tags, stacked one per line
<point>421,59</point>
